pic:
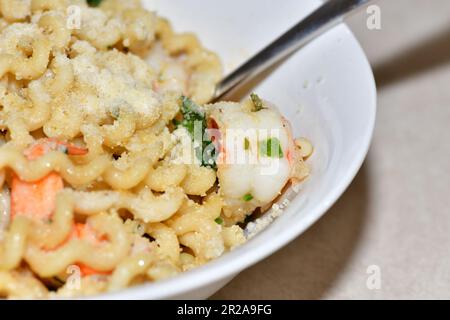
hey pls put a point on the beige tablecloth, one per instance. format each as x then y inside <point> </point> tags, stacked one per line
<point>394,220</point>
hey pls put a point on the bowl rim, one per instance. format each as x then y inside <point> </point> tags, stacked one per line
<point>223,268</point>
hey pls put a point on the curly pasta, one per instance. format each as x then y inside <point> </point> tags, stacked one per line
<point>31,41</point>
<point>14,244</point>
<point>197,229</point>
<point>47,5</point>
<point>21,285</point>
<point>102,257</point>
<point>144,205</point>
<point>206,68</point>
<point>100,168</point>
<point>107,111</point>
<point>95,191</point>
<point>14,10</point>
<point>167,241</point>
<point>54,26</point>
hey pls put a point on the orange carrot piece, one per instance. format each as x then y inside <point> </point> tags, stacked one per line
<point>74,150</point>
<point>35,199</point>
<point>83,231</point>
<point>45,145</point>
<point>86,271</point>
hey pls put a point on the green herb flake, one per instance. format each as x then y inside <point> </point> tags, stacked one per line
<point>248,197</point>
<point>194,116</point>
<point>246,144</point>
<point>94,3</point>
<point>257,102</point>
<point>219,220</point>
<point>190,110</point>
<point>271,148</point>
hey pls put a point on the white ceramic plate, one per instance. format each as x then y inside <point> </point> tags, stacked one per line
<point>326,90</point>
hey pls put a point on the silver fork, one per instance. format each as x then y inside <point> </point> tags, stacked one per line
<point>325,17</point>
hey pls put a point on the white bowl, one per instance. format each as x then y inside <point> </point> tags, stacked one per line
<point>326,90</point>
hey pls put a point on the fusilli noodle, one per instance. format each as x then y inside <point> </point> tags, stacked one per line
<point>82,106</point>
<point>95,195</point>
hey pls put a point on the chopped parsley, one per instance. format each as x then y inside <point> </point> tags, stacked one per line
<point>94,3</point>
<point>271,148</point>
<point>192,113</point>
<point>219,220</point>
<point>248,197</point>
<point>194,120</point>
<point>257,102</point>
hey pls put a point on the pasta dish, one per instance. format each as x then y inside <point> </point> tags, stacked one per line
<point>114,169</point>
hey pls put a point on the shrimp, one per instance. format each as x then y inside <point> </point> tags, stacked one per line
<point>258,155</point>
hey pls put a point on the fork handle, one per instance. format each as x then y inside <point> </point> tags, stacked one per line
<point>322,19</point>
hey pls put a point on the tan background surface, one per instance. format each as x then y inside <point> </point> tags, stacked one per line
<point>396,213</point>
